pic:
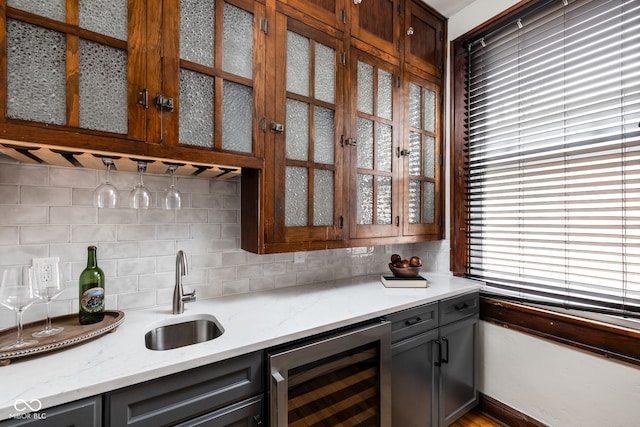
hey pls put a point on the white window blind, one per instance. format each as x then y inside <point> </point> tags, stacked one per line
<point>553,146</point>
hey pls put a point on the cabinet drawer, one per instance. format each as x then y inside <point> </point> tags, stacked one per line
<point>413,321</point>
<point>459,307</point>
<point>185,395</point>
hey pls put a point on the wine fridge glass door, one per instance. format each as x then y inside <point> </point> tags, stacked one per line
<point>341,379</point>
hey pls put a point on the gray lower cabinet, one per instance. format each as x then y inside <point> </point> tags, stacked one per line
<point>227,393</point>
<point>81,413</point>
<point>434,350</point>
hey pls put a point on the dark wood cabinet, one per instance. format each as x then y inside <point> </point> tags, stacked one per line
<point>375,26</point>
<point>424,35</point>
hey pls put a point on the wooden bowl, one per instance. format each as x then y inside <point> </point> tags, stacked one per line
<point>404,271</point>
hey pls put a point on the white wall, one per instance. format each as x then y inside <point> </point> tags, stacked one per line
<point>555,384</point>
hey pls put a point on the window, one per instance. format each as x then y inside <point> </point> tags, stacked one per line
<point>546,157</point>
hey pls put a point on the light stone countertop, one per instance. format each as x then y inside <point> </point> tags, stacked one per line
<point>251,322</point>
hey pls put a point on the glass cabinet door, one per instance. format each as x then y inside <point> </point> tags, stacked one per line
<point>308,172</point>
<point>217,86</point>
<point>71,64</point>
<point>422,158</point>
<point>374,195</point>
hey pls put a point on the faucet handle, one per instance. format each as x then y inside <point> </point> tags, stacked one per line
<point>189,297</point>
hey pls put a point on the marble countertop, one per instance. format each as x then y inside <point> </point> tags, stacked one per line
<point>251,322</point>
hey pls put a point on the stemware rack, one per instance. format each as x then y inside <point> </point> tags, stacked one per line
<point>41,154</point>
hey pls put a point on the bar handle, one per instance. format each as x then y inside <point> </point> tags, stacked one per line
<point>279,413</point>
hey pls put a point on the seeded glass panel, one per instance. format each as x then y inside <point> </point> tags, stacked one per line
<point>384,200</point>
<point>54,9</point>
<point>384,150</point>
<point>196,108</point>
<point>414,154</point>
<point>323,197</point>
<point>36,76</point>
<point>297,130</point>
<point>197,31</point>
<point>296,197</point>
<point>429,203</point>
<point>237,54</point>
<point>385,95</point>
<point>323,135</point>
<point>297,64</point>
<point>103,87</point>
<point>365,88</point>
<point>365,199</point>
<point>415,106</point>
<point>430,157</point>
<point>108,17</point>
<point>414,202</point>
<point>429,111</point>
<point>365,143</point>
<point>237,112</point>
<point>325,70</point>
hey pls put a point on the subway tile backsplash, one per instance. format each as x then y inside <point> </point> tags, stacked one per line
<point>48,212</point>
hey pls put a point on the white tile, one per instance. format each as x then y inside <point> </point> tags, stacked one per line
<point>45,196</point>
<point>45,234</point>
<point>73,215</point>
<point>23,174</point>
<point>93,233</point>
<point>18,214</point>
<point>136,232</point>
<point>136,266</point>
<point>9,235</point>
<point>136,300</point>
<point>9,194</point>
<point>74,177</point>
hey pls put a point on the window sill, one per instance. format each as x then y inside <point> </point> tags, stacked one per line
<point>605,339</point>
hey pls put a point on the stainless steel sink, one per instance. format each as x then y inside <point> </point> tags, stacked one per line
<point>182,331</point>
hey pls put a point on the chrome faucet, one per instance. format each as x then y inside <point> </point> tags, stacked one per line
<point>179,297</point>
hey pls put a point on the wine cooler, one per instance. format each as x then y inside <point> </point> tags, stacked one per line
<point>336,380</point>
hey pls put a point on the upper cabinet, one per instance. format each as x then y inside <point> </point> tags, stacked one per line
<point>424,35</point>
<point>353,147</point>
<point>375,26</point>
<point>159,79</point>
<point>77,66</point>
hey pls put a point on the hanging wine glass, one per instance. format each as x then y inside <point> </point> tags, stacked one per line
<point>17,293</point>
<point>106,194</point>
<point>140,197</point>
<point>171,198</point>
<point>47,280</point>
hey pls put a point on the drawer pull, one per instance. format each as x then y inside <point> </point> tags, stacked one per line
<point>413,322</point>
<point>461,306</point>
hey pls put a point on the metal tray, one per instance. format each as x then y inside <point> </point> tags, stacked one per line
<point>73,333</point>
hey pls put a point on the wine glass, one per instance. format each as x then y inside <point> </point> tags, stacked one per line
<point>171,198</point>
<point>47,279</point>
<point>106,194</point>
<point>140,197</point>
<point>17,293</point>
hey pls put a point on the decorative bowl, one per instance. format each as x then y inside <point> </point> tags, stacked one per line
<point>404,271</point>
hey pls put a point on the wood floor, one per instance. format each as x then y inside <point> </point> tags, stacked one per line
<point>476,419</point>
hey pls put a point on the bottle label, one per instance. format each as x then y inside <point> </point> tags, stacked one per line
<point>92,300</point>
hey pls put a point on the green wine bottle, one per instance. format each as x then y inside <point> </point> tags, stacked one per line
<point>91,290</point>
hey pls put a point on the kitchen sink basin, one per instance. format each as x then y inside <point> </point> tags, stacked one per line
<point>182,331</point>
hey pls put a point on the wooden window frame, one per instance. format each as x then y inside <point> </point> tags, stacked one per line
<point>600,337</point>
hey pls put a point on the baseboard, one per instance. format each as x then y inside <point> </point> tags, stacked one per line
<point>506,414</point>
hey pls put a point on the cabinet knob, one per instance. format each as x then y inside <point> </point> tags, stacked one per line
<point>410,31</point>
<point>357,1</point>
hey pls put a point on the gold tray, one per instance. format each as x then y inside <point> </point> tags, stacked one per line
<point>73,333</point>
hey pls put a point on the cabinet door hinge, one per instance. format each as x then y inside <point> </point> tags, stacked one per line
<point>341,221</point>
<point>441,99</point>
<point>343,58</point>
<point>399,10</point>
<point>439,221</point>
<point>264,25</point>
<point>262,124</point>
<point>398,45</point>
<point>143,98</point>
<point>440,161</point>
<point>398,81</point>
<point>441,36</point>
<point>398,221</point>
<point>343,15</point>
